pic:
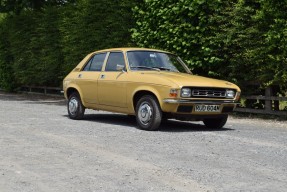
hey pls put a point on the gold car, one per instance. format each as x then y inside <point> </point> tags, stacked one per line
<point>150,84</point>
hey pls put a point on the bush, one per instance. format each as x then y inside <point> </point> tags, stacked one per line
<point>7,80</point>
<point>40,46</point>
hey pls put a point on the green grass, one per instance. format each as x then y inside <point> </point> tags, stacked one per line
<point>283,105</point>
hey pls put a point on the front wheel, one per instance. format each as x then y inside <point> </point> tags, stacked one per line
<point>76,110</point>
<point>215,123</point>
<point>148,113</point>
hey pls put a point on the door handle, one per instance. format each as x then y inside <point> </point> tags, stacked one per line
<point>103,76</point>
<point>80,76</point>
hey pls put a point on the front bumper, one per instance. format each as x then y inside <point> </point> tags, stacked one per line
<point>184,106</point>
<point>185,101</point>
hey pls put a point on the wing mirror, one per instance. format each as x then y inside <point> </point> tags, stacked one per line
<point>120,67</point>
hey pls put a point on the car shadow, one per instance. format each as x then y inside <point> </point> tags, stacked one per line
<point>166,126</point>
<point>184,126</point>
<point>113,119</point>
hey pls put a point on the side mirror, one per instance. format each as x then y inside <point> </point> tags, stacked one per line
<point>120,67</point>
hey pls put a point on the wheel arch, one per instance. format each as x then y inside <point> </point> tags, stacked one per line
<point>139,93</point>
<point>73,89</point>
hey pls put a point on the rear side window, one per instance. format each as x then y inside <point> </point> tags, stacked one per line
<point>96,62</point>
<point>115,59</point>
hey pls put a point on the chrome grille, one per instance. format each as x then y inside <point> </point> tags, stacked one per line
<point>211,93</point>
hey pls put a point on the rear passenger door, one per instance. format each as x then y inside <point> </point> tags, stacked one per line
<point>112,83</point>
<point>88,78</point>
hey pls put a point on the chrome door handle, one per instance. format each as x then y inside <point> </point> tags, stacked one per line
<point>103,76</point>
<point>80,76</point>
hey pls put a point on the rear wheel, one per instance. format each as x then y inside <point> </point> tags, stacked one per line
<point>148,113</point>
<point>76,110</point>
<point>215,123</point>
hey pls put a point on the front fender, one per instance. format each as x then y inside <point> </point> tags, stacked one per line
<point>159,91</point>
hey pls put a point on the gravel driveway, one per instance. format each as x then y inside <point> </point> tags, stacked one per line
<point>43,150</point>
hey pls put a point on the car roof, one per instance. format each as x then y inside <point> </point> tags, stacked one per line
<point>125,49</point>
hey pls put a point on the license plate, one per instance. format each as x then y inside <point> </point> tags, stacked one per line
<point>207,108</point>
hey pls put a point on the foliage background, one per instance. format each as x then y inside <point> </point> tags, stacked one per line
<point>237,40</point>
<point>40,45</point>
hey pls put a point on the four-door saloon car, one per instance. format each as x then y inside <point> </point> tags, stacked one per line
<point>150,84</point>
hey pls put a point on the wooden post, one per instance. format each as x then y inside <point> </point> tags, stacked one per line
<point>268,102</point>
<point>275,90</point>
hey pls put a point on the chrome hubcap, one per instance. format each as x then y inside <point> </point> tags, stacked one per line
<point>145,113</point>
<point>73,106</point>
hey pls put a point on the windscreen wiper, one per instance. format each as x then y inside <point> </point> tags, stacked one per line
<point>144,67</point>
<point>162,68</point>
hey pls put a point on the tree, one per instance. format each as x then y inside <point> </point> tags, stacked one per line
<point>16,6</point>
<point>177,26</point>
<point>237,40</point>
<point>7,79</point>
<point>94,25</point>
<point>44,42</point>
<point>251,41</point>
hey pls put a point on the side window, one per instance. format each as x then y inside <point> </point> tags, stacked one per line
<point>96,62</point>
<point>115,59</point>
<point>88,65</point>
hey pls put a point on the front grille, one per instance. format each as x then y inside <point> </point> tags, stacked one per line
<point>211,93</point>
<point>198,92</point>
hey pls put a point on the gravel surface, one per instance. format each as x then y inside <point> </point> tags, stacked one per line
<point>43,150</point>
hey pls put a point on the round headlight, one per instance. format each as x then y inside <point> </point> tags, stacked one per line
<point>185,92</point>
<point>230,94</point>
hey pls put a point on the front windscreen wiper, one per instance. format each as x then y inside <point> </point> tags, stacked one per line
<point>144,67</point>
<point>162,68</point>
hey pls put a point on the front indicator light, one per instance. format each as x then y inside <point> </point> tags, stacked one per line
<point>173,93</point>
<point>185,92</point>
<point>237,96</point>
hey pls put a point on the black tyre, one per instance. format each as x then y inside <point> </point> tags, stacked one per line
<point>76,110</point>
<point>215,123</point>
<point>148,113</point>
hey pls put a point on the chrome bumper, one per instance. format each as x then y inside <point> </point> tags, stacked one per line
<point>184,101</point>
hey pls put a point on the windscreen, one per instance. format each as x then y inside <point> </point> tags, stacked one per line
<point>152,60</point>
